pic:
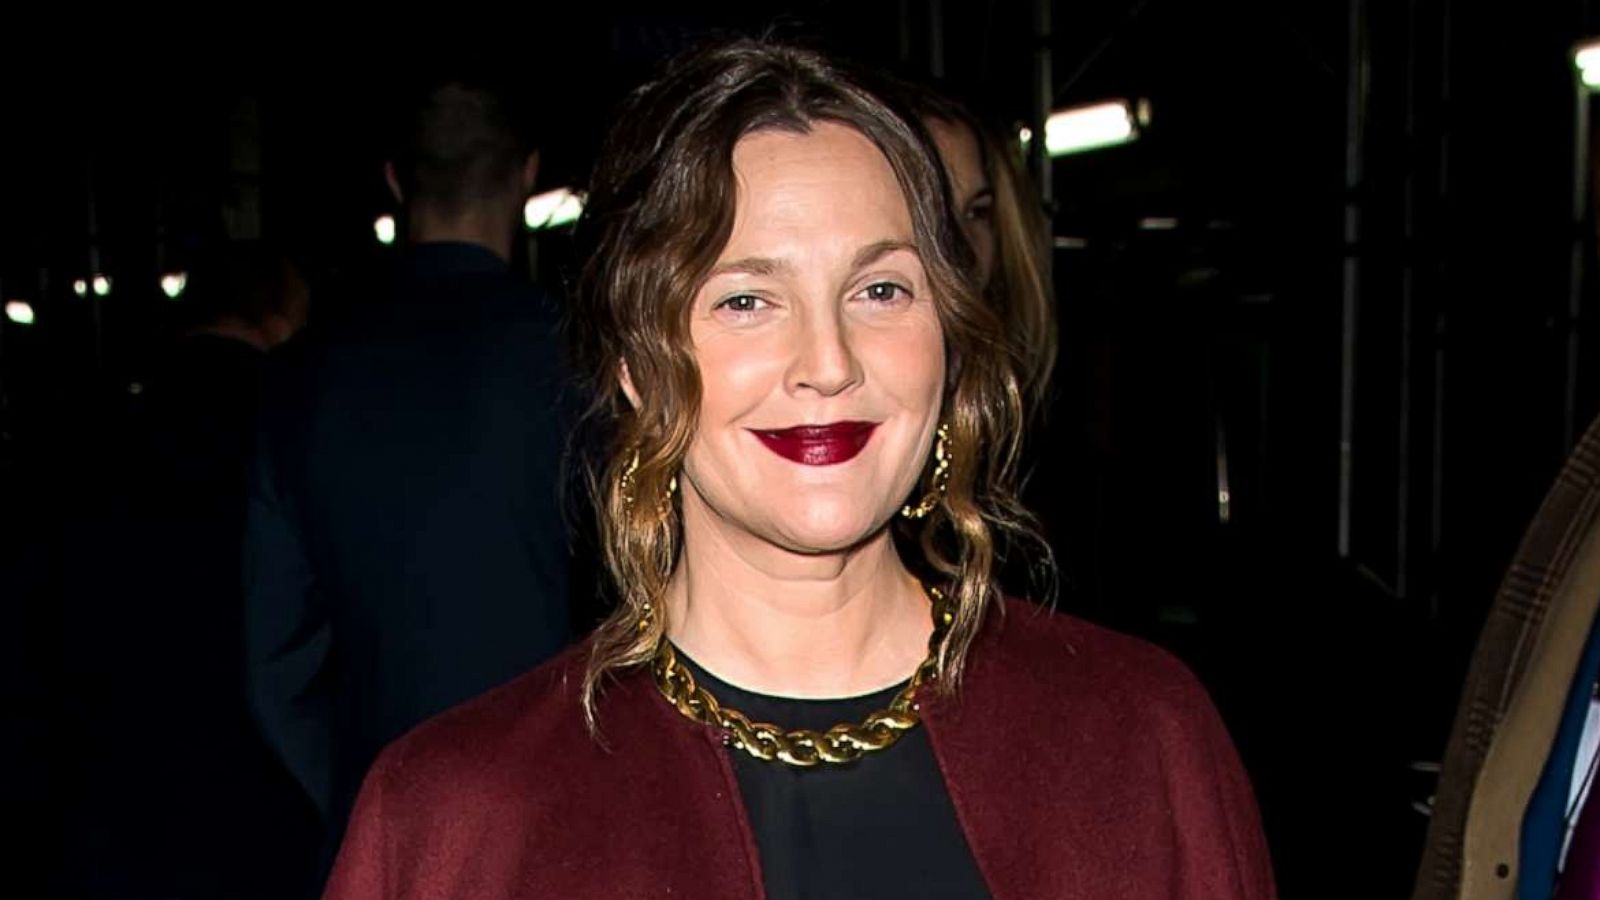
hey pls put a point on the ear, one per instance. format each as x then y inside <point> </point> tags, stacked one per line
<point>530,171</point>
<point>275,329</point>
<point>626,381</point>
<point>393,181</point>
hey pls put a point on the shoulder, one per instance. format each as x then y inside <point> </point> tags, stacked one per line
<point>1109,738</point>
<point>486,331</point>
<point>1071,655</point>
<point>452,799</point>
<point>1077,680</point>
<point>480,750</point>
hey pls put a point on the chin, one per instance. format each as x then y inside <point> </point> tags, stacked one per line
<point>828,528</point>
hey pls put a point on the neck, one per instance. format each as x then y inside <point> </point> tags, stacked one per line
<point>789,624</point>
<point>488,226</point>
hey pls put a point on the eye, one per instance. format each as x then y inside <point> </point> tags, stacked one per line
<point>885,292</point>
<point>981,211</point>
<point>741,303</point>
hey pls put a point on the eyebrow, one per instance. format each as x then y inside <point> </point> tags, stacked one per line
<point>873,252</point>
<point>766,266</point>
<point>751,265</point>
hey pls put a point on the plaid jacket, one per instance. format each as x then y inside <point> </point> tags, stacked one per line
<point>1520,674</point>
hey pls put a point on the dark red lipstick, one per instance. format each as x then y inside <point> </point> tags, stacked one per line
<point>818,445</point>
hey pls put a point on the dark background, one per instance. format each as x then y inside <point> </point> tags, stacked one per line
<point>1371,314</point>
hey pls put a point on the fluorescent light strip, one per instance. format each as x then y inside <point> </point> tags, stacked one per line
<point>1089,128</point>
<point>552,209</point>
<point>1587,58</point>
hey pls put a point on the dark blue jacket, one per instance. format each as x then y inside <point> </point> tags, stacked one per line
<point>404,547</point>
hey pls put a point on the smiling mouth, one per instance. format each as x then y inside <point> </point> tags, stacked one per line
<point>818,445</point>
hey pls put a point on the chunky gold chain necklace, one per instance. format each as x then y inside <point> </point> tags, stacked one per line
<point>842,743</point>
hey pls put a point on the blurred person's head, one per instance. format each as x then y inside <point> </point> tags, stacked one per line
<point>1004,222</point>
<point>250,291</point>
<point>462,162</point>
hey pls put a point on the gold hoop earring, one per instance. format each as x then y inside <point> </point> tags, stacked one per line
<point>940,480</point>
<point>625,484</point>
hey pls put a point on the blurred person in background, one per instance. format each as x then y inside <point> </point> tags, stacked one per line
<point>405,548</point>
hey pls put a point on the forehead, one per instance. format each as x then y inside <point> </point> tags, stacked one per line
<point>830,181</point>
<point>958,149</point>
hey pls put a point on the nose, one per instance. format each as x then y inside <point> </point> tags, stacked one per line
<point>824,360</point>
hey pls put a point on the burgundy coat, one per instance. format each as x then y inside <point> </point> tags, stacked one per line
<point>1081,764</point>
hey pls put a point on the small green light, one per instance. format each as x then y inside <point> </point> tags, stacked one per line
<point>20,312</point>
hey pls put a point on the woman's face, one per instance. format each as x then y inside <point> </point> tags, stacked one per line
<point>969,183</point>
<point>821,356</point>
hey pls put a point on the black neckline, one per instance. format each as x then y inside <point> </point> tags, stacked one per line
<point>738,697</point>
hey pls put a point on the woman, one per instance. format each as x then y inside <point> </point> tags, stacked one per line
<point>815,421</point>
<point>1003,221</point>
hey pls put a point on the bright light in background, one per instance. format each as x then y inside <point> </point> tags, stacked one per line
<point>1587,56</point>
<point>1157,223</point>
<point>102,285</point>
<point>172,284</point>
<point>80,287</point>
<point>20,312</point>
<point>552,208</point>
<point>384,229</point>
<point>1025,135</point>
<point>1089,128</point>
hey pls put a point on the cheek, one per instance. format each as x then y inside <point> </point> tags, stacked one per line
<point>732,377</point>
<point>984,247</point>
<point>910,365</point>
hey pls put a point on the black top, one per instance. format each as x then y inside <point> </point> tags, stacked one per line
<point>881,827</point>
<point>404,548</point>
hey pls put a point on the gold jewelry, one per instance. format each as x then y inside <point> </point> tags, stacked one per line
<point>625,484</point>
<point>843,743</point>
<point>941,478</point>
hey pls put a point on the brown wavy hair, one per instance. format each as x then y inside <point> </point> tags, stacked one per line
<point>659,212</point>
